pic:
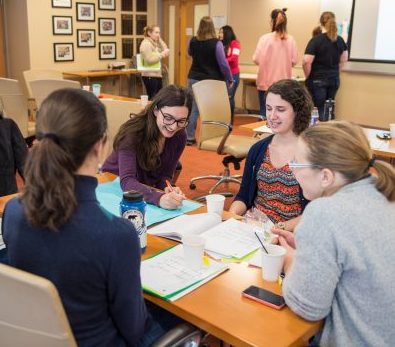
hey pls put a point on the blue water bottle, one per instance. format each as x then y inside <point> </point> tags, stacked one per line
<point>133,208</point>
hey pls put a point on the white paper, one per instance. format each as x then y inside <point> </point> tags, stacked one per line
<point>2,245</point>
<point>167,273</point>
<point>231,238</point>
<point>193,224</point>
<point>263,129</point>
<point>189,31</point>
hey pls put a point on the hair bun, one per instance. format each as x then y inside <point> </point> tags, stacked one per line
<point>284,9</point>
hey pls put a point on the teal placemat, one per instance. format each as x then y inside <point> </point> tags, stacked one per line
<point>110,195</point>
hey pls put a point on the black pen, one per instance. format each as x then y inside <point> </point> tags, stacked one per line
<point>261,242</point>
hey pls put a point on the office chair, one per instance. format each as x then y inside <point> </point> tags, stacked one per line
<point>13,103</point>
<point>42,88</point>
<point>212,100</point>
<point>118,112</point>
<point>32,315</point>
<point>39,74</point>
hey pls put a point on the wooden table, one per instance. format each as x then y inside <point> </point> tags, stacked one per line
<point>381,148</point>
<point>118,97</point>
<point>88,74</point>
<point>218,307</point>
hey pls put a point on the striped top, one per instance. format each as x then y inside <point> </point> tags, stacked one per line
<point>278,192</point>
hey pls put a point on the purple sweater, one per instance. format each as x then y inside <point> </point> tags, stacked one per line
<point>123,163</point>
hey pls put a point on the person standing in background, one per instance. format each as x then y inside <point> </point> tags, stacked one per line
<point>232,53</point>
<point>208,63</point>
<point>152,49</point>
<point>275,55</point>
<point>324,56</point>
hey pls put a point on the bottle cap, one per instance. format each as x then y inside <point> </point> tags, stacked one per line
<point>133,195</point>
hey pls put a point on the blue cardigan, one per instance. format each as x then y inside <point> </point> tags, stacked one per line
<point>94,262</point>
<point>248,188</point>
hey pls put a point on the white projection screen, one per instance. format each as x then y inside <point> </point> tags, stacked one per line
<point>372,36</point>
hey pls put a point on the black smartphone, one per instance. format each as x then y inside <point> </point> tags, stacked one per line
<point>265,297</point>
<point>384,136</point>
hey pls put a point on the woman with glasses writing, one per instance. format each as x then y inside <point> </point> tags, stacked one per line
<point>149,145</point>
<point>344,275</point>
<point>268,183</point>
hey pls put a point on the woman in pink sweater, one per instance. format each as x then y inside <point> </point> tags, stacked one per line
<point>275,54</point>
<point>232,53</point>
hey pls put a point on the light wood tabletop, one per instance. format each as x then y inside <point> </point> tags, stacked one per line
<point>100,73</point>
<point>117,97</point>
<point>218,307</point>
<point>381,148</point>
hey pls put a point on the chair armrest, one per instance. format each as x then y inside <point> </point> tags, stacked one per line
<point>229,127</point>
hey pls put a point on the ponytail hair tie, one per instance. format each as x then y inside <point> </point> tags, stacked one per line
<point>371,162</point>
<point>53,137</point>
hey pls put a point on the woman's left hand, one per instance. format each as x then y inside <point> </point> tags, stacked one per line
<point>176,190</point>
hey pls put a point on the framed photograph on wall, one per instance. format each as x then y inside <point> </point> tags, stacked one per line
<point>107,26</point>
<point>86,38</point>
<point>107,50</point>
<point>85,12</point>
<point>61,3</point>
<point>107,5</point>
<point>63,51</point>
<point>62,25</point>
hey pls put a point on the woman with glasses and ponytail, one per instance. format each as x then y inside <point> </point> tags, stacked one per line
<point>148,146</point>
<point>275,55</point>
<point>345,242</point>
<point>58,230</point>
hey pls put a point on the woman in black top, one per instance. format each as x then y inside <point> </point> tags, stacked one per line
<point>324,56</point>
<point>208,63</point>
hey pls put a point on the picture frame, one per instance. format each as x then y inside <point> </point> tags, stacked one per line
<point>107,50</point>
<point>107,26</point>
<point>85,12</point>
<point>108,5</point>
<point>63,51</point>
<point>61,3</point>
<point>62,25</point>
<point>86,38</point>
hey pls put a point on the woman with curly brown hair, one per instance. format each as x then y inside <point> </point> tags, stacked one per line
<point>268,183</point>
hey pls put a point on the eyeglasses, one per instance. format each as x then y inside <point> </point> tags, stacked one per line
<point>170,120</point>
<point>294,165</point>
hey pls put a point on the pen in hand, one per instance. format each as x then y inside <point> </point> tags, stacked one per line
<point>171,189</point>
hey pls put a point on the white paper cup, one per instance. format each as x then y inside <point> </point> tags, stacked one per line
<point>87,88</point>
<point>96,89</point>
<point>144,100</point>
<point>193,251</point>
<point>215,203</point>
<point>272,263</point>
<point>392,130</point>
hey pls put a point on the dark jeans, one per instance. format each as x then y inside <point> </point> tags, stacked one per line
<point>322,90</point>
<point>232,92</point>
<point>153,85</point>
<point>162,322</point>
<point>262,103</point>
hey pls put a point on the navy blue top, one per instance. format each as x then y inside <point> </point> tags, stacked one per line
<point>248,188</point>
<point>94,262</point>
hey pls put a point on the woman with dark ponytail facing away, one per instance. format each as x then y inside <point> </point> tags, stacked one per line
<point>275,55</point>
<point>324,56</point>
<point>58,230</point>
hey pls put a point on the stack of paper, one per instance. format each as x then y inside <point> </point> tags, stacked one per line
<point>167,276</point>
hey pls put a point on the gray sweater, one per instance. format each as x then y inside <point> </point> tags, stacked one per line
<point>344,267</point>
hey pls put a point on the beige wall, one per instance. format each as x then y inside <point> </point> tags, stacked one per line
<point>31,38</point>
<point>363,98</point>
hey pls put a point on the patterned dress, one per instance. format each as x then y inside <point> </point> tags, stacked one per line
<point>278,194</point>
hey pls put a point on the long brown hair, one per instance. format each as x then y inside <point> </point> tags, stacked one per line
<point>328,21</point>
<point>69,123</point>
<point>141,132</point>
<point>206,29</point>
<point>343,147</point>
<point>279,22</point>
